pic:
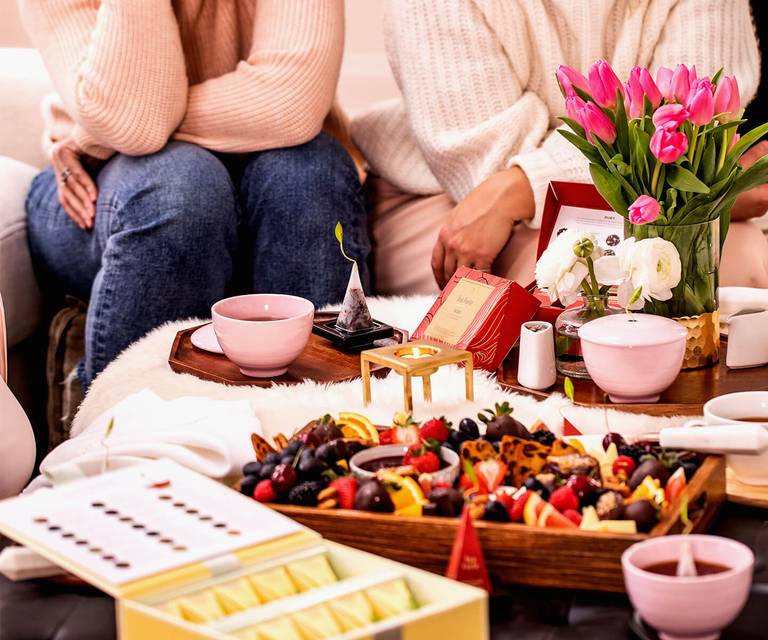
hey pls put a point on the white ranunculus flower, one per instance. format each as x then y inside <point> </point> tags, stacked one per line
<point>652,264</point>
<point>560,271</point>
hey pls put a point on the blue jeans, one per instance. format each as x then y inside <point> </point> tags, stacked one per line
<point>177,230</point>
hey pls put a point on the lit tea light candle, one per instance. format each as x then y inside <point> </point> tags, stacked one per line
<point>417,352</point>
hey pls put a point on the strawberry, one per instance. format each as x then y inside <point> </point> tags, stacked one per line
<point>423,456</point>
<point>624,464</point>
<point>437,428</point>
<point>386,437</point>
<point>516,512</point>
<point>466,483</point>
<point>346,489</point>
<point>406,435</point>
<point>564,499</point>
<point>264,492</point>
<point>490,473</point>
<point>574,516</point>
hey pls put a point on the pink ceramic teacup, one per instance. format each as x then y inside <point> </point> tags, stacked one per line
<point>262,333</point>
<point>633,358</point>
<point>691,608</point>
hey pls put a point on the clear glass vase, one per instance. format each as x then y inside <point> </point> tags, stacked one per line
<point>694,301</point>
<point>568,356</point>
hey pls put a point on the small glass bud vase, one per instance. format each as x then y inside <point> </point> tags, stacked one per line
<point>568,359</point>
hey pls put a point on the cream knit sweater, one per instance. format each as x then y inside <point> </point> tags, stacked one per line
<point>229,75</point>
<point>478,85</point>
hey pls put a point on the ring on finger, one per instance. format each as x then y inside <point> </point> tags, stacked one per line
<point>65,174</point>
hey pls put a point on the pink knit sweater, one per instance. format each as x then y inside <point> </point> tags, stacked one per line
<point>229,75</point>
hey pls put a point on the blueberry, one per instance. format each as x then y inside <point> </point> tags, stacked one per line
<point>543,436</point>
<point>287,458</point>
<point>310,466</point>
<point>468,427</point>
<point>292,447</point>
<point>266,470</point>
<point>249,484</point>
<point>272,458</point>
<point>532,484</point>
<point>252,468</point>
<point>496,512</point>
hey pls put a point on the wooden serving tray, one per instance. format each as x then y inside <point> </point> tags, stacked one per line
<point>686,396</point>
<point>320,362</point>
<point>514,553</point>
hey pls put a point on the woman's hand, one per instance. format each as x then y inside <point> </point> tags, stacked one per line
<point>480,226</point>
<point>752,203</point>
<point>77,191</point>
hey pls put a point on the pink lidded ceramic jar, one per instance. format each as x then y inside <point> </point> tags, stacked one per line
<point>633,358</point>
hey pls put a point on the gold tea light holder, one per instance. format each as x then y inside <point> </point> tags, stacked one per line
<point>418,359</point>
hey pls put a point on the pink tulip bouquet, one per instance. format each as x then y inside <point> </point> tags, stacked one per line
<point>664,153</point>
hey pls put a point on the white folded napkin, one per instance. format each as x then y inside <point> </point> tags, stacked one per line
<point>212,437</point>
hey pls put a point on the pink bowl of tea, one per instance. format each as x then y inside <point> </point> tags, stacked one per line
<point>696,607</point>
<point>263,333</point>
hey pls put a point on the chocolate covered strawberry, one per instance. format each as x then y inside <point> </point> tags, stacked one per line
<point>499,423</point>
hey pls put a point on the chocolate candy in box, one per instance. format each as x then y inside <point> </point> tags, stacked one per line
<point>186,557</point>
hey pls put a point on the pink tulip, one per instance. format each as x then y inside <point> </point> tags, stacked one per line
<point>701,101</point>
<point>640,84</point>
<point>644,210</point>
<point>680,84</point>
<point>727,99</point>
<point>603,84</point>
<point>664,82</point>
<point>573,106</point>
<point>668,145</point>
<point>568,78</point>
<point>670,116</point>
<point>596,123</point>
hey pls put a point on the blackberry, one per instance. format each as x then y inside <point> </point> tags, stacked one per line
<point>544,436</point>
<point>305,494</point>
<point>632,451</point>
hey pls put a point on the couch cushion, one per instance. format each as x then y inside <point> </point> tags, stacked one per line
<point>23,83</point>
<point>21,295</point>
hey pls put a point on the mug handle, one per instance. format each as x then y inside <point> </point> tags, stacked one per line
<point>696,435</point>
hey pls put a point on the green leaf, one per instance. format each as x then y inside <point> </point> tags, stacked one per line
<point>708,165</point>
<point>635,296</point>
<point>575,126</point>
<point>745,142</point>
<point>727,125</point>
<point>622,135</point>
<point>684,180</point>
<point>716,77</point>
<point>582,145</point>
<point>339,233</point>
<point>609,188</point>
<point>110,426</point>
<point>603,149</point>
<point>568,388</point>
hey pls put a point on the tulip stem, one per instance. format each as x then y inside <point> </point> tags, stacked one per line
<point>694,138</point>
<point>655,177</point>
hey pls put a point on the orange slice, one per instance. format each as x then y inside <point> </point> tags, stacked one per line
<point>533,508</point>
<point>355,425</point>
<point>407,494</point>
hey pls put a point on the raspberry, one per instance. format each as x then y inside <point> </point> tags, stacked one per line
<point>264,492</point>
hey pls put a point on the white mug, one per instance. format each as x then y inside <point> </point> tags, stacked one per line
<point>536,366</point>
<point>747,339</point>
<point>722,430</point>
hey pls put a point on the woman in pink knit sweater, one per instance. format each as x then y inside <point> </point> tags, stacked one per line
<point>462,161</point>
<point>186,142</point>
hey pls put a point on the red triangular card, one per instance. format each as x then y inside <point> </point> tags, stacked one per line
<point>569,429</point>
<point>467,563</point>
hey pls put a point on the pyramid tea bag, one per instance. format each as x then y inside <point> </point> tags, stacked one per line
<point>354,314</point>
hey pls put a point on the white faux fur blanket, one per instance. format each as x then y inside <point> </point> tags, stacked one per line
<point>282,409</point>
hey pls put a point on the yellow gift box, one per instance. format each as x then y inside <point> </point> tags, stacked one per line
<point>185,557</point>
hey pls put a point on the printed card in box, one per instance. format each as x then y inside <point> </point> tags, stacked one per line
<point>481,313</point>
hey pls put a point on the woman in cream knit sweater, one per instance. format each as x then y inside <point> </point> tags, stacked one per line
<point>461,162</point>
<point>186,140</point>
